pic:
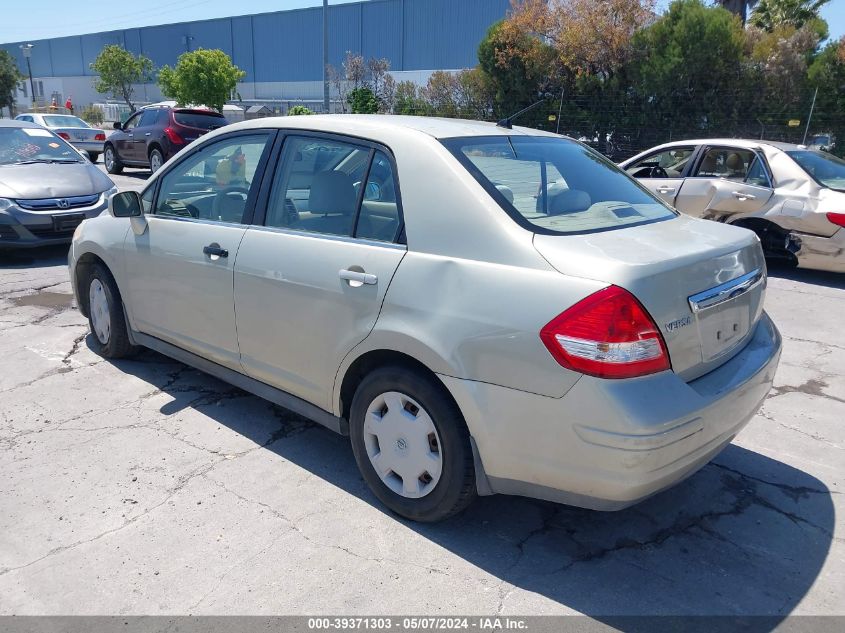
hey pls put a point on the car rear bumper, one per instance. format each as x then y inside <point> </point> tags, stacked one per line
<point>89,146</point>
<point>607,444</point>
<point>821,253</point>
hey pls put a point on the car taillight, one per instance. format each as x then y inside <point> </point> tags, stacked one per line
<point>100,137</point>
<point>63,135</point>
<point>174,137</point>
<point>837,218</point>
<point>609,334</point>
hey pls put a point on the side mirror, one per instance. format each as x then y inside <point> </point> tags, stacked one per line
<point>117,125</point>
<point>126,204</point>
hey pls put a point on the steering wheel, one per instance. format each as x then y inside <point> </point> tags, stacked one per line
<point>217,203</point>
<point>658,172</point>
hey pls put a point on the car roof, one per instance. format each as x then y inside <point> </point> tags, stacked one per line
<point>378,125</point>
<point>14,123</point>
<point>736,142</point>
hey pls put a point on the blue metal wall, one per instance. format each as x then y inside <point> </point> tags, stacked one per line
<point>288,45</point>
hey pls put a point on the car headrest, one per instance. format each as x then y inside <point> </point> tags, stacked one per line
<point>332,192</point>
<point>569,201</point>
<point>734,162</point>
<point>708,165</point>
<point>506,191</point>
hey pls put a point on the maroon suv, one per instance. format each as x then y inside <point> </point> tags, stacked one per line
<point>152,135</point>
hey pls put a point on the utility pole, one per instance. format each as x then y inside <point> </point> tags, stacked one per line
<point>27,53</point>
<point>326,102</point>
<point>810,118</point>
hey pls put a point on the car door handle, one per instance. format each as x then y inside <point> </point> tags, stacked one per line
<point>131,136</point>
<point>665,190</point>
<point>148,133</point>
<point>214,250</point>
<point>743,196</point>
<point>358,277</point>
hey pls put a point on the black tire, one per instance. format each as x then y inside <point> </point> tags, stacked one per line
<point>117,343</point>
<point>156,160</point>
<point>93,156</point>
<point>455,489</point>
<point>112,160</point>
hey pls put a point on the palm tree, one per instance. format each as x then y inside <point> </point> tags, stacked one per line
<point>769,14</point>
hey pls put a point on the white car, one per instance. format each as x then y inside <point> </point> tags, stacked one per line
<point>793,197</point>
<point>400,280</point>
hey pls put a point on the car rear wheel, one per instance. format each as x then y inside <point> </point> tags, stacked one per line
<point>411,444</point>
<point>105,315</point>
<point>93,156</point>
<point>110,158</point>
<point>156,160</point>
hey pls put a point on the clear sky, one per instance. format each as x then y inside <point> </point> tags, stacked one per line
<point>20,20</point>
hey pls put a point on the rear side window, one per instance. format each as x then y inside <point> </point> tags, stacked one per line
<point>556,186</point>
<point>202,120</point>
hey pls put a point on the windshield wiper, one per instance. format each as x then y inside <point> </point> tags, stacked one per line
<point>46,160</point>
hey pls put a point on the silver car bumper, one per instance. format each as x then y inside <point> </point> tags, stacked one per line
<point>608,444</point>
<point>89,146</point>
<point>821,253</point>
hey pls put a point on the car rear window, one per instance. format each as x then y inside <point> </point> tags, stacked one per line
<point>63,120</point>
<point>555,185</point>
<point>202,120</point>
<point>825,169</point>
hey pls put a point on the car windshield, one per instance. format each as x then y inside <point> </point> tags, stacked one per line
<point>825,169</point>
<point>202,120</point>
<point>63,120</point>
<point>556,186</point>
<point>34,145</point>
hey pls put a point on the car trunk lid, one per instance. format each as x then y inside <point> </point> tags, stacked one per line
<point>702,282</point>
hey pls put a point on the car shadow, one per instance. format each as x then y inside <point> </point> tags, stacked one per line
<point>745,536</point>
<point>39,257</point>
<point>815,277</point>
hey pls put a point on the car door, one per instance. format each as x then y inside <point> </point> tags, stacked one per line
<point>124,139</point>
<point>310,280</point>
<point>726,181</point>
<point>663,172</point>
<point>180,269</point>
<point>143,133</point>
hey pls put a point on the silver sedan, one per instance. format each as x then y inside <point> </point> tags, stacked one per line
<point>72,129</point>
<point>792,196</point>
<point>480,309</point>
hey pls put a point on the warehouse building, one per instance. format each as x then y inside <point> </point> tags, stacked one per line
<point>281,52</point>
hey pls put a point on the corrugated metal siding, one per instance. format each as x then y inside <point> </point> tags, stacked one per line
<point>242,46</point>
<point>288,45</point>
<point>381,26</point>
<point>93,44</point>
<point>445,33</point>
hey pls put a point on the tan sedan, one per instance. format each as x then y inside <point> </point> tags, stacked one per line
<point>791,196</point>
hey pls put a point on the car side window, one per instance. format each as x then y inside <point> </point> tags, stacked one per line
<point>723,162</point>
<point>379,216</point>
<point>317,186</point>
<point>215,182</point>
<point>757,174</point>
<point>148,118</point>
<point>132,122</point>
<point>670,163</point>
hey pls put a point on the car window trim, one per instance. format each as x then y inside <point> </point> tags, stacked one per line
<point>260,216</point>
<point>261,168</point>
<point>327,236</point>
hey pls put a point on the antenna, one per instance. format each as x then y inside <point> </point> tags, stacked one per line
<point>507,122</point>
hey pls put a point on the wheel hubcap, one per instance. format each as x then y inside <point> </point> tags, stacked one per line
<point>98,306</point>
<point>109,159</point>
<point>403,445</point>
<point>155,162</point>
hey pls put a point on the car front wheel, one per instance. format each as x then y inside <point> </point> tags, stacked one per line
<point>105,315</point>
<point>411,444</point>
<point>110,158</point>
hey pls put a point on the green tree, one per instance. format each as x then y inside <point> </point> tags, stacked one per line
<point>407,99</point>
<point>770,14</point>
<point>299,110</point>
<point>118,71</point>
<point>362,101</point>
<point>9,78</point>
<point>827,73</point>
<point>688,68</point>
<point>201,77</point>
